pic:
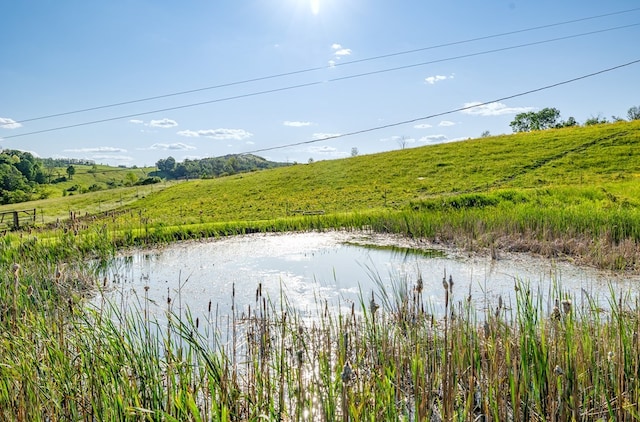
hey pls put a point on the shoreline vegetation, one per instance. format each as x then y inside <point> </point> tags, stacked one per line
<point>568,193</point>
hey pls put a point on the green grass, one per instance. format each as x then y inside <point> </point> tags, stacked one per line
<point>60,360</point>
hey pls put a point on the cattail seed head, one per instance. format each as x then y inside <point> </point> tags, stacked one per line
<point>347,373</point>
<point>555,314</point>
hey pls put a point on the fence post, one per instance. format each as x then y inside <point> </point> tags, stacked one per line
<point>16,220</point>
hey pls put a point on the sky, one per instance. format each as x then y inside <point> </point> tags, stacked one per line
<point>132,82</point>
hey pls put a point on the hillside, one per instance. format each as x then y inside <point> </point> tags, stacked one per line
<point>604,155</point>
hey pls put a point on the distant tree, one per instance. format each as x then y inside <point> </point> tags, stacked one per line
<point>130,178</point>
<point>634,113</point>
<point>354,152</point>
<point>310,160</point>
<point>402,141</point>
<point>615,119</point>
<point>546,118</point>
<point>167,165</point>
<point>71,170</point>
<point>485,134</point>
<point>570,122</point>
<point>597,120</point>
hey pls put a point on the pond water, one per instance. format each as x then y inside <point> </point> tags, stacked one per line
<point>336,268</point>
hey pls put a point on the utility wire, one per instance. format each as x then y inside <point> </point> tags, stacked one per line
<point>313,69</point>
<point>431,116</point>
<point>308,84</point>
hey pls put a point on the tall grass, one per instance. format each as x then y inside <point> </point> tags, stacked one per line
<point>390,358</point>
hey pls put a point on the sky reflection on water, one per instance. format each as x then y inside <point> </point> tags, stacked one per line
<point>309,268</point>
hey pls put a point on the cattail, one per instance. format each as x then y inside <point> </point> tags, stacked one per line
<point>347,373</point>
<point>555,314</point>
<point>450,283</point>
<point>373,306</point>
<point>445,285</point>
<point>29,290</point>
<point>197,323</point>
<point>15,268</point>
<point>419,284</point>
<point>300,356</point>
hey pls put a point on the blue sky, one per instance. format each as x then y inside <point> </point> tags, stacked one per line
<point>65,56</point>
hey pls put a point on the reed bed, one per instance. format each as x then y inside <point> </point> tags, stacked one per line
<point>390,358</point>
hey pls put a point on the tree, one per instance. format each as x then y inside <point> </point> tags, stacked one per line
<point>571,121</point>
<point>354,151</point>
<point>485,134</point>
<point>71,171</point>
<point>402,141</point>
<point>634,113</point>
<point>166,165</point>
<point>546,118</point>
<point>597,120</point>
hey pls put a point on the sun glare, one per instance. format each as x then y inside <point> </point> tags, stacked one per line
<point>315,6</point>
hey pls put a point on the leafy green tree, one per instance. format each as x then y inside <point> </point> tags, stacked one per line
<point>71,170</point>
<point>634,113</point>
<point>597,120</point>
<point>546,118</point>
<point>167,165</point>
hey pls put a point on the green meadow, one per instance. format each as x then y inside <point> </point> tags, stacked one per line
<point>570,193</point>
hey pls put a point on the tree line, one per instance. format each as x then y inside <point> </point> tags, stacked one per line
<point>204,168</point>
<point>549,118</point>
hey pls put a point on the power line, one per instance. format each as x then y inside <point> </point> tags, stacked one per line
<point>313,69</point>
<point>431,116</point>
<point>308,84</point>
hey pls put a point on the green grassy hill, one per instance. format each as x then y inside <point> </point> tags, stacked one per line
<point>605,156</point>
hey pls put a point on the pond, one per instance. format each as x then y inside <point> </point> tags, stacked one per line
<point>336,269</point>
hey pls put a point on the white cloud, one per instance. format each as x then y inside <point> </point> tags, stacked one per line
<point>437,78</point>
<point>7,123</point>
<point>322,149</point>
<point>188,133</point>
<point>296,124</point>
<point>136,121</point>
<point>96,149</point>
<point>219,134</point>
<point>250,143</point>
<point>163,123</point>
<point>325,135</point>
<point>422,126</point>
<point>433,139</point>
<point>338,52</point>
<point>446,123</point>
<point>343,52</point>
<point>177,146</point>
<point>492,109</point>
<point>111,157</point>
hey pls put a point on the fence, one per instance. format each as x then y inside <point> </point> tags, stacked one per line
<point>13,220</point>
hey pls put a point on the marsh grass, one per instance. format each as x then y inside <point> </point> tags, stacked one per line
<point>390,358</point>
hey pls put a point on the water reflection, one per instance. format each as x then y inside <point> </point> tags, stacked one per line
<point>334,267</point>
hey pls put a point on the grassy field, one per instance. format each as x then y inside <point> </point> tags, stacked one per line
<point>571,193</point>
